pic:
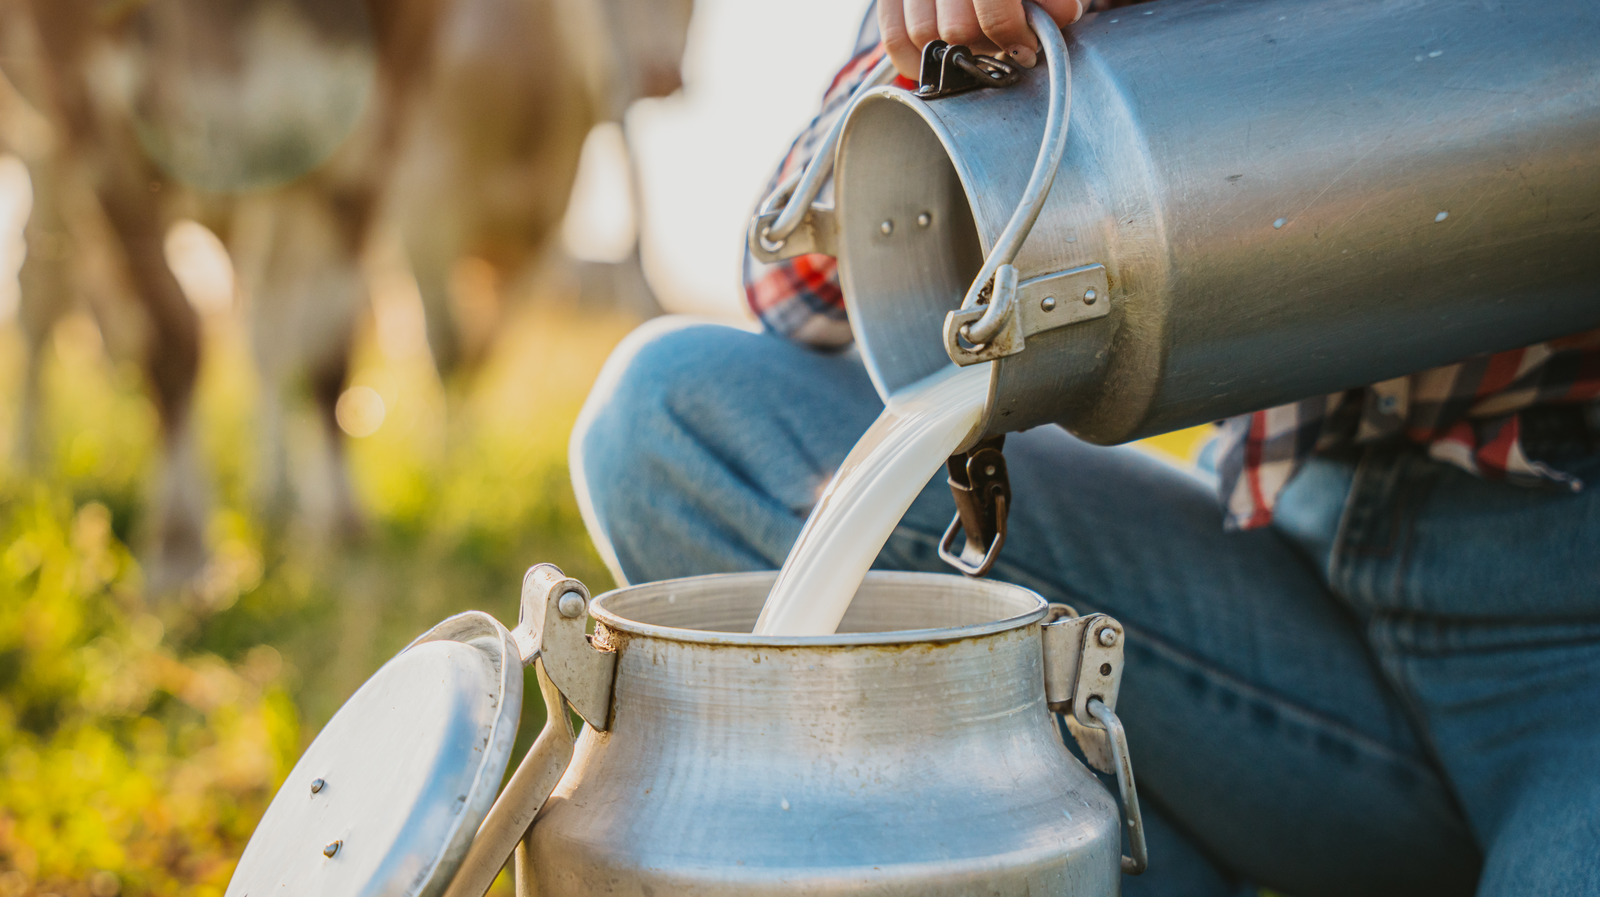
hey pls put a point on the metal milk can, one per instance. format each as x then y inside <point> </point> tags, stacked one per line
<point>912,753</point>
<point>1198,209</point>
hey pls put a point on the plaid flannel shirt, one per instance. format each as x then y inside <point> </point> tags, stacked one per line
<point>1466,414</point>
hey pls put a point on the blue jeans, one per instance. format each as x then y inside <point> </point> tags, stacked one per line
<point>1395,689</point>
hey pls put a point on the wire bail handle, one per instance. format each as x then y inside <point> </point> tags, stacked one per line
<point>790,205</point>
<point>994,289</point>
<point>789,208</point>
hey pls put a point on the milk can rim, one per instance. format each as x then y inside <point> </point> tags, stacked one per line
<point>984,228</point>
<point>604,615</point>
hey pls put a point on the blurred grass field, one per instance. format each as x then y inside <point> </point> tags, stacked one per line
<point>141,739</point>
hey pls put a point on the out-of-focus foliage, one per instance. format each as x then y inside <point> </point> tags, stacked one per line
<point>129,763</point>
<point>141,737</point>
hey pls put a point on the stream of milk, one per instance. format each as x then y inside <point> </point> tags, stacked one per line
<point>919,428</point>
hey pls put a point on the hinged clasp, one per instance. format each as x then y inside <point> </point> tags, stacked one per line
<point>948,69</point>
<point>1082,676</point>
<point>552,628</point>
<point>816,233</point>
<point>982,491</point>
<point>552,637</point>
<point>1014,311</point>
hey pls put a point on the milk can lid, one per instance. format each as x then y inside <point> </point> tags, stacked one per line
<point>392,791</point>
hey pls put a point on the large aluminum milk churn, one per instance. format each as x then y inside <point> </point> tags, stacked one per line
<point>913,753</point>
<point>1236,204</point>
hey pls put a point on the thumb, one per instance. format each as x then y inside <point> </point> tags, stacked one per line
<point>1006,26</point>
<point>1005,23</point>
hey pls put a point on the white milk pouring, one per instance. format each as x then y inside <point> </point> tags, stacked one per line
<point>920,427</point>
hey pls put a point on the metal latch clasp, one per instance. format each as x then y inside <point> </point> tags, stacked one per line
<point>982,491</point>
<point>1014,311</point>
<point>948,69</point>
<point>1082,677</point>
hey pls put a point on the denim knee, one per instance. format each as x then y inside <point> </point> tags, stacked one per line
<point>645,396</point>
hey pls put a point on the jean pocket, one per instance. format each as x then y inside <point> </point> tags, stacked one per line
<point>1422,536</point>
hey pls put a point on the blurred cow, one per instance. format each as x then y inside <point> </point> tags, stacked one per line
<point>494,149</point>
<point>172,109</point>
<point>279,124</point>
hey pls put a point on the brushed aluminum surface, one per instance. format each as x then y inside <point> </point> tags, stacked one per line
<point>911,753</point>
<point>1289,199</point>
<point>408,769</point>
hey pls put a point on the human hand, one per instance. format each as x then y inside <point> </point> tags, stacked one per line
<point>991,27</point>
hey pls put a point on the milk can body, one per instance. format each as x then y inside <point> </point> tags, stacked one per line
<point>912,753</point>
<point>1286,199</point>
<point>876,762</point>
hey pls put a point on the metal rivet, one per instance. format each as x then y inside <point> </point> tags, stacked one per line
<point>317,785</point>
<point>1090,295</point>
<point>989,471</point>
<point>924,219</point>
<point>332,849</point>
<point>1105,669</point>
<point>886,228</point>
<point>1048,303</point>
<point>570,605</point>
<point>1107,636</point>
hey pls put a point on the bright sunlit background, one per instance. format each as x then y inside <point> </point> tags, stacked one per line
<point>753,77</point>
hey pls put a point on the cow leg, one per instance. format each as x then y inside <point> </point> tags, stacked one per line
<point>46,296</point>
<point>45,292</point>
<point>171,364</point>
<point>328,377</point>
<point>432,249</point>
<point>634,295</point>
<point>254,238</point>
<point>304,288</point>
<point>104,154</point>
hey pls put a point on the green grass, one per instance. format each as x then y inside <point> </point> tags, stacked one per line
<point>141,736</point>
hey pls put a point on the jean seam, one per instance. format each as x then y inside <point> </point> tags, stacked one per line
<point>1383,643</point>
<point>1415,478</point>
<point>1357,564</point>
